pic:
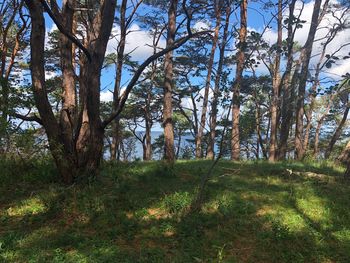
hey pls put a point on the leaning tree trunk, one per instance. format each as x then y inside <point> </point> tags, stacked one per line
<point>347,172</point>
<point>344,157</point>
<point>305,60</point>
<point>235,141</point>
<point>337,133</point>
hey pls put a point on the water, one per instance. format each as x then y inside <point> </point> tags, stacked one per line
<point>137,151</point>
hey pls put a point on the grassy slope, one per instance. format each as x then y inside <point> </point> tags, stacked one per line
<point>254,212</point>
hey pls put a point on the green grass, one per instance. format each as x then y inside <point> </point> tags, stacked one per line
<point>137,212</point>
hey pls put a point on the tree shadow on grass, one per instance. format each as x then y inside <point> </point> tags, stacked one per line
<point>137,213</point>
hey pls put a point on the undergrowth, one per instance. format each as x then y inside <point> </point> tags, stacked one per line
<point>137,212</point>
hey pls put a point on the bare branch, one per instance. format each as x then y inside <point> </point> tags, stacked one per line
<point>28,118</point>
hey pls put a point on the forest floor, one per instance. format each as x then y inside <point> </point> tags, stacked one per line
<point>137,212</point>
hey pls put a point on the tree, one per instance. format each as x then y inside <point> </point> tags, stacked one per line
<point>305,56</point>
<point>124,23</point>
<point>217,83</point>
<point>141,112</point>
<point>217,8</point>
<point>287,81</point>
<point>13,40</point>
<point>76,139</point>
<point>235,142</point>
<point>344,99</point>
<point>276,78</point>
<point>181,126</point>
<point>169,153</point>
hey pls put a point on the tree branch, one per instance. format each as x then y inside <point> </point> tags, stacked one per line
<point>58,22</point>
<point>178,43</point>
<point>28,118</point>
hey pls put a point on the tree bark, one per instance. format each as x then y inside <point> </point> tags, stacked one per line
<point>199,152</point>
<point>37,39</point>
<point>148,121</point>
<point>214,104</point>
<point>276,88</point>
<point>286,88</point>
<point>169,151</point>
<point>69,107</point>
<point>235,141</point>
<point>319,124</point>
<point>259,140</point>
<point>75,142</point>
<point>314,93</point>
<point>118,76</point>
<point>337,133</point>
<point>344,157</point>
<point>305,60</point>
<point>287,110</point>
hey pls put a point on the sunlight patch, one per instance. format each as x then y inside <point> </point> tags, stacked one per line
<point>38,237</point>
<point>342,235</point>
<point>31,206</point>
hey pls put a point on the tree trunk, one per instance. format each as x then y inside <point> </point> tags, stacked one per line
<point>178,145</point>
<point>76,143</point>
<point>347,172</point>
<point>148,122</point>
<point>287,88</point>
<point>68,113</point>
<point>344,157</point>
<point>305,60</point>
<point>317,138</point>
<point>199,152</point>
<point>148,155</point>
<point>64,162</point>
<point>169,153</point>
<point>276,88</point>
<point>214,104</point>
<point>319,124</point>
<point>259,140</point>
<point>118,76</point>
<point>287,110</point>
<point>235,141</point>
<point>337,133</point>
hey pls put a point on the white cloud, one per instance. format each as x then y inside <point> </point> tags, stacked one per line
<point>201,25</point>
<point>106,96</point>
<point>138,41</point>
<point>49,30</point>
<point>326,24</point>
<point>270,36</point>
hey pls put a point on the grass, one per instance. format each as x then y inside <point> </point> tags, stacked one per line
<point>137,212</point>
